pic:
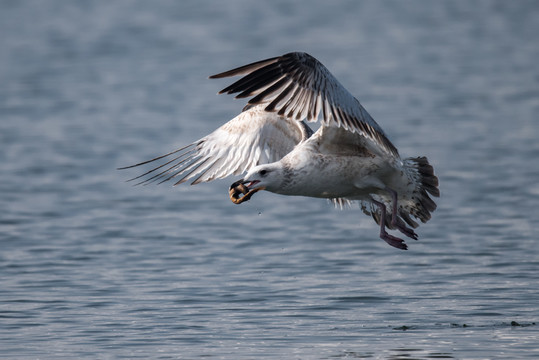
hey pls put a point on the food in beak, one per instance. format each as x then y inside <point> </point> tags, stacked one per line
<point>238,188</point>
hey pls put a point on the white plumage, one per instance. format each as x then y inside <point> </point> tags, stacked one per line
<point>349,158</point>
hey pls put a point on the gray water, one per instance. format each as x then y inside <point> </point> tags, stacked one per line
<point>92,267</point>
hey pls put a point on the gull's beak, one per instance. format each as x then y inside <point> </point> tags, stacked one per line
<point>250,184</point>
<point>241,183</point>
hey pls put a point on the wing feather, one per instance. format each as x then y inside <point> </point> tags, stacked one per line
<point>247,69</point>
<point>298,86</point>
<point>253,137</point>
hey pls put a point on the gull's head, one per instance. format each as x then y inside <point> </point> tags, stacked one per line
<point>264,177</point>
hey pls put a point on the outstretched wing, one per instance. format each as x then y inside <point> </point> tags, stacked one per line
<point>297,86</point>
<point>253,137</point>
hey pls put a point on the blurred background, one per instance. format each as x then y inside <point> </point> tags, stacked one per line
<point>91,266</point>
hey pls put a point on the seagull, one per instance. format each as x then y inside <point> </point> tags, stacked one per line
<point>348,159</point>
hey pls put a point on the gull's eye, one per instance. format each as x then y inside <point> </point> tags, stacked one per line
<point>263,172</point>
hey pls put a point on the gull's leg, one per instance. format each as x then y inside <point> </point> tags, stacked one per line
<point>390,239</point>
<point>394,206</point>
<point>394,218</point>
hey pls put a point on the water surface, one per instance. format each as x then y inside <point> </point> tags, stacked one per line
<point>92,267</point>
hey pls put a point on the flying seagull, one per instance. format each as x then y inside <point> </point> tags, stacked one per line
<point>349,158</point>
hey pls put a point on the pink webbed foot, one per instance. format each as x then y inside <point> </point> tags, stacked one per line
<point>393,241</point>
<point>395,221</point>
<point>406,230</point>
<point>390,239</point>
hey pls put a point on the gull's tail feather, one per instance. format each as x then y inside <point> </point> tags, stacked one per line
<point>426,183</point>
<point>417,202</point>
